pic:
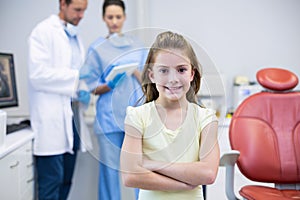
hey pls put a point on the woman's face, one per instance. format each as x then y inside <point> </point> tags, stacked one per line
<point>114,18</point>
<point>172,73</point>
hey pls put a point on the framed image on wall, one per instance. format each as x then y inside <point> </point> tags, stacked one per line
<point>8,88</point>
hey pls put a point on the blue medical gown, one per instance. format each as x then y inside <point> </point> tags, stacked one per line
<point>103,55</point>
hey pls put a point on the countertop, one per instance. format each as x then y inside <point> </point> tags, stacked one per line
<point>15,140</point>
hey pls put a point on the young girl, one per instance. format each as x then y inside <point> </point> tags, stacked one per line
<point>170,147</point>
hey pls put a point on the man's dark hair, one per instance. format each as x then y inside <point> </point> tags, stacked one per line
<point>67,1</point>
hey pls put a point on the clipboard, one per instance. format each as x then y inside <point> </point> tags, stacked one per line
<point>128,68</point>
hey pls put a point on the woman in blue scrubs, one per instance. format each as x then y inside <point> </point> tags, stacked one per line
<point>115,95</point>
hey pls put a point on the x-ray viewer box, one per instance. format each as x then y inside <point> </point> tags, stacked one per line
<point>128,68</point>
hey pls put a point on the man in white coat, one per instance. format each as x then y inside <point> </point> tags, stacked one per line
<point>55,57</point>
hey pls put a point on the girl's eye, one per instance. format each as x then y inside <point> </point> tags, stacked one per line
<point>163,71</point>
<point>182,70</point>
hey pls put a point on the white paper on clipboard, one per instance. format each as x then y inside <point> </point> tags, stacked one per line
<point>128,68</point>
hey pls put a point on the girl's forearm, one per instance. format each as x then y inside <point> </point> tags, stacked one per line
<point>137,176</point>
<point>154,181</point>
<point>193,173</point>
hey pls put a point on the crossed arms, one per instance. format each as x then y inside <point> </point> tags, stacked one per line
<point>140,172</point>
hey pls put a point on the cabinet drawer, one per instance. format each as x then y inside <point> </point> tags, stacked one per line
<point>26,182</point>
<point>26,168</point>
<point>9,181</point>
<point>28,193</point>
<point>25,153</point>
<point>27,186</point>
<point>17,167</point>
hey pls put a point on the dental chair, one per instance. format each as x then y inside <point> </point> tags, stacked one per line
<point>264,135</point>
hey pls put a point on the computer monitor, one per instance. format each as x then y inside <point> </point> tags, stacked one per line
<point>8,87</point>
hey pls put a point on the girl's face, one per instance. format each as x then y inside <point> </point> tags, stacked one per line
<point>172,73</point>
<point>114,18</point>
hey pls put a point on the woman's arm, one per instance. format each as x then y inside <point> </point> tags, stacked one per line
<point>202,172</point>
<point>110,85</point>
<point>138,76</point>
<point>135,175</point>
<point>101,89</point>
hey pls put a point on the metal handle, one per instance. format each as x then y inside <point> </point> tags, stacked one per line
<point>15,165</point>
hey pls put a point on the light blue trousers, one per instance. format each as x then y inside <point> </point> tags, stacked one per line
<point>109,164</point>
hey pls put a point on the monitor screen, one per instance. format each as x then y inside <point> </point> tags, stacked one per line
<point>8,87</point>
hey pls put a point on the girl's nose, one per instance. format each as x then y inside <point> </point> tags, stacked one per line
<point>173,76</point>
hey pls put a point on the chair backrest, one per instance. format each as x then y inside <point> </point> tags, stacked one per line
<point>265,128</point>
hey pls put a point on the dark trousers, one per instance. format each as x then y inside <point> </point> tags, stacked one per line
<point>54,173</point>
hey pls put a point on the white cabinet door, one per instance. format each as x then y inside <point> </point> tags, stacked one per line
<point>9,181</point>
<point>16,174</point>
<point>26,171</point>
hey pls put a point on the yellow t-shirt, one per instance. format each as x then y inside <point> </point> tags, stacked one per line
<point>162,144</point>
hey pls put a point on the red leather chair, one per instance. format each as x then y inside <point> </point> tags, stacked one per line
<point>264,134</point>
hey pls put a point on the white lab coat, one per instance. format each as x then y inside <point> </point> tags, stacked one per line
<point>52,83</point>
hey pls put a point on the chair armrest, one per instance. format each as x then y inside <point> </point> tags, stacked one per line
<point>229,158</point>
<point>228,161</point>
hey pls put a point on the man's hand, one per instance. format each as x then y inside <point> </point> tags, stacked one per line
<point>84,97</point>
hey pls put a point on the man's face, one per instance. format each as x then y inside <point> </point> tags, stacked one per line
<point>73,12</point>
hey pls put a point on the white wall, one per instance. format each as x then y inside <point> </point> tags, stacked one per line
<point>239,36</point>
<point>16,21</point>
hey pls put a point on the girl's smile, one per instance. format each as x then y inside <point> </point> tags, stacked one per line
<point>173,90</point>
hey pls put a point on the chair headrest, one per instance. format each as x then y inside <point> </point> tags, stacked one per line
<point>277,79</point>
